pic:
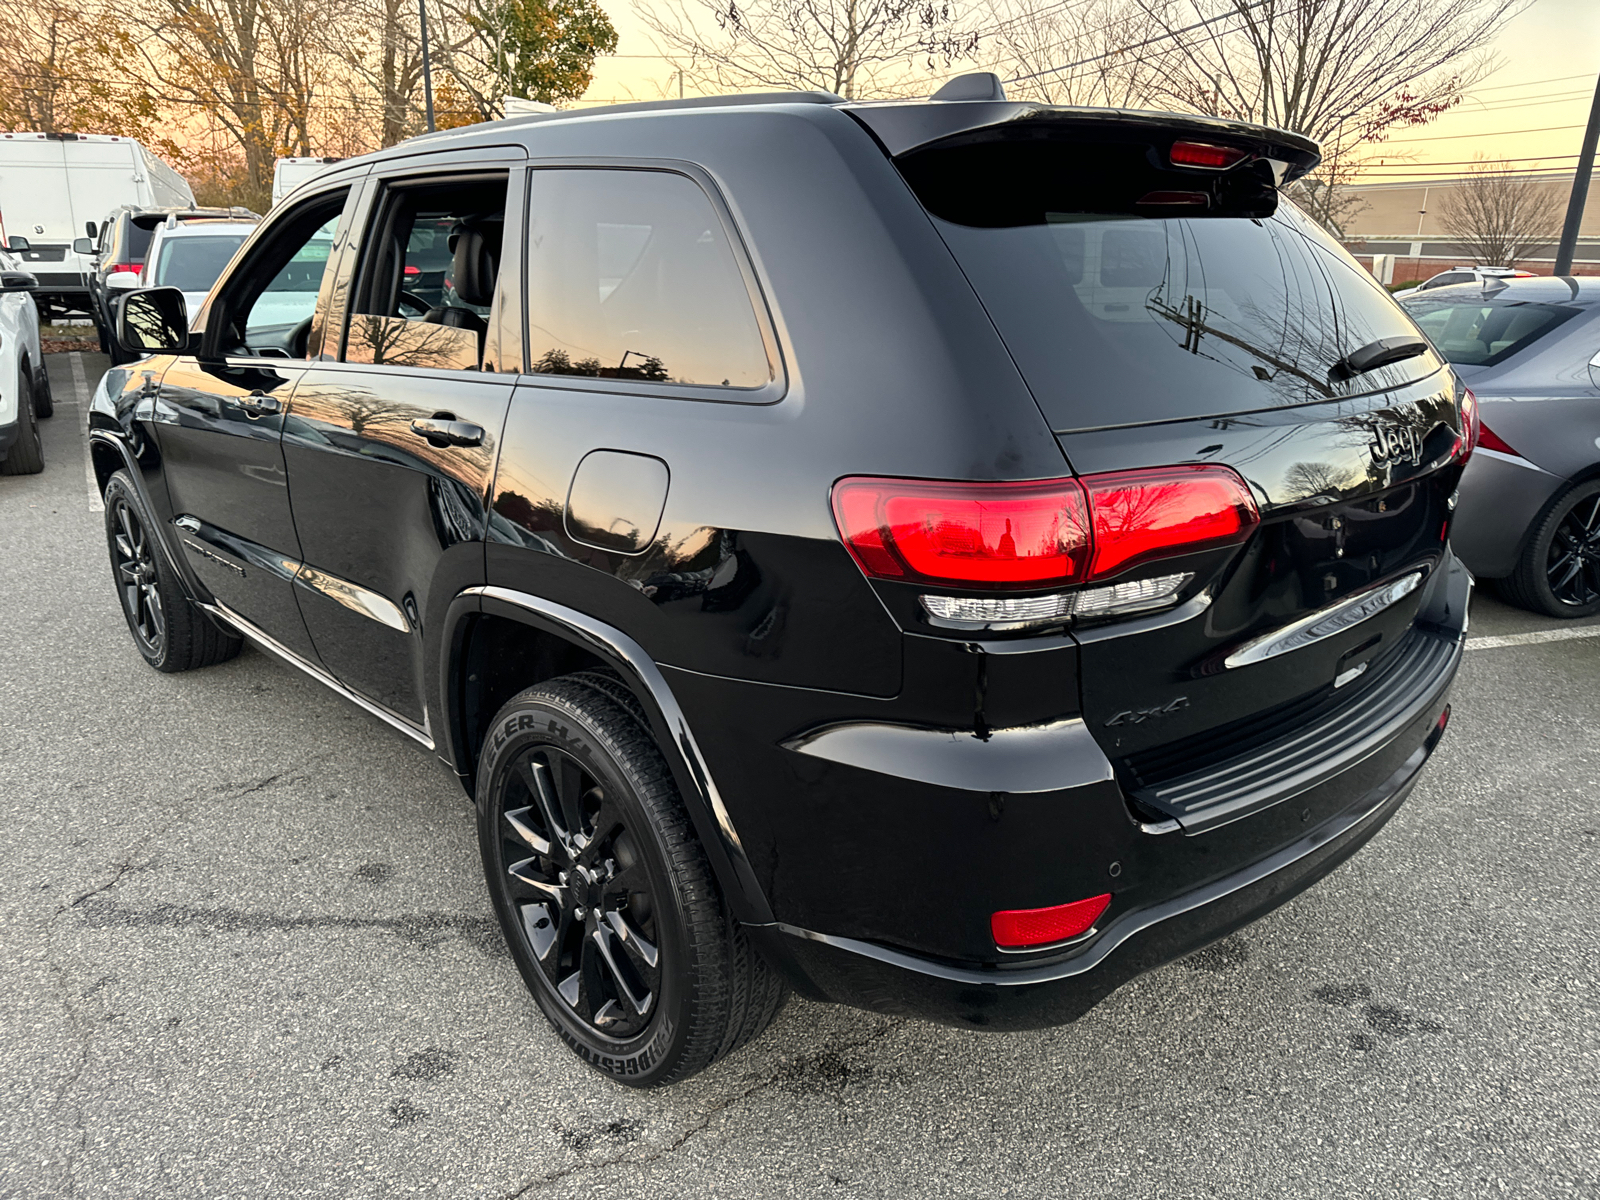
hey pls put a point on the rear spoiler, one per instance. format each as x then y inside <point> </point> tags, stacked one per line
<point>902,127</point>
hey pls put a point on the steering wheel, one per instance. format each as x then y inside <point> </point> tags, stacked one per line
<point>298,339</point>
<point>413,301</point>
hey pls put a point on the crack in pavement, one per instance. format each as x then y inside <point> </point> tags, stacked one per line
<point>773,1078</point>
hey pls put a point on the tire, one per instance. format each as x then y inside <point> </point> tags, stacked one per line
<point>169,631</point>
<point>26,456</point>
<point>44,401</point>
<point>604,893</point>
<point>1558,571</point>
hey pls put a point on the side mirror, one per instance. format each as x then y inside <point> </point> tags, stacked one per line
<point>17,281</point>
<point>18,244</point>
<point>122,281</point>
<point>152,321</point>
<point>83,245</point>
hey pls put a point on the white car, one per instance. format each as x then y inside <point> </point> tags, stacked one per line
<point>24,385</point>
<point>187,255</point>
<point>1457,275</point>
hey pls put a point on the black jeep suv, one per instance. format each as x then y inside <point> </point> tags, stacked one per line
<point>942,557</point>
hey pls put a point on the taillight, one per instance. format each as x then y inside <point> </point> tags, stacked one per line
<point>413,269</point>
<point>1488,439</point>
<point>1027,928</point>
<point>1037,535</point>
<point>1206,154</point>
<point>1142,515</point>
<point>1005,535</point>
<point>1471,426</point>
<point>134,267</point>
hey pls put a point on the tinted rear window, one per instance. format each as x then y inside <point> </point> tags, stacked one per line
<point>1479,332</point>
<point>1118,318</point>
<point>193,264</point>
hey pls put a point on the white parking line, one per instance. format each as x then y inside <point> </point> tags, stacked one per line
<point>1529,639</point>
<point>80,386</point>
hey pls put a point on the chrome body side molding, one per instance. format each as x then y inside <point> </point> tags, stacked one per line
<point>354,597</point>
<point>1336,618</point>
<point>267,642</point>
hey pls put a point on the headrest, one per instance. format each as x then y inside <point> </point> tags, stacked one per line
<point>475,245</point>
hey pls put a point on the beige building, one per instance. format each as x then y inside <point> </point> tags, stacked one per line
<point>1404,219</point>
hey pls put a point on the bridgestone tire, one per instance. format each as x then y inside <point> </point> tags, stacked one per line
<point>1528,586</point>
<point>26,456</point>
<point>187,638</point>
<point>712,991</point>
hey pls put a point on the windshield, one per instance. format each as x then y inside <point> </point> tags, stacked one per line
<point>192,264</point>
<point>1472,330</point>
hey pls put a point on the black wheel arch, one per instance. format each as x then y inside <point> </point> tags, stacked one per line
<point>494,636</point>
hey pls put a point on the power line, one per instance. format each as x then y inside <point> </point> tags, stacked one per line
<point>1461,162</point>
<point>1500,87</point>
<point>1139,45</point>
<point>1448,137</point>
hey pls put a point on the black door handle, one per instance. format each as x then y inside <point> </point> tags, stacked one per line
<point>447,433</point>
<point>259,404</point>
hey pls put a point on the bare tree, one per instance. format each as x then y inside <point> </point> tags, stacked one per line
<point>854,48</point>
<point>1499,215</point>
<point>1033,36</point>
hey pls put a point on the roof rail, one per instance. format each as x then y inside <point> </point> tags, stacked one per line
<point>736,100</point>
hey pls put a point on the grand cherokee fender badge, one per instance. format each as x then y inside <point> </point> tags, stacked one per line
<point>1137,716</point>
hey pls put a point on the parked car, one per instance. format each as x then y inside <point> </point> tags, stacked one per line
<point>290,173</point>
<point>24,383</point>
<point>189,255</point>
<point>54,184</point>
<point>120,243</point>
<point>1457,275</point>
<point>945,558</point>
<point>1529,516</point>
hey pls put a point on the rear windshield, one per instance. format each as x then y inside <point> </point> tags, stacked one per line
<point>1118,318</point>
<point>192,264</point>
<point>1475,331</point>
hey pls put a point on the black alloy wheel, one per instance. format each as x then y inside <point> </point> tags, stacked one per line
<point>603,892</point>
<point>1558,573</point>
<point>578,881</point>
<point>134,562</point>
<point>170,632</point>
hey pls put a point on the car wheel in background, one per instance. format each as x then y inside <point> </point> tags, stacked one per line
<point>170,632</point>
<point>1558,572</point>
<point>26,456</point>
<point>604,893</point>
<point>44,401</point>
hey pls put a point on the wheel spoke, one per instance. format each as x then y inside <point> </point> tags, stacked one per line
<point>536,775</point>
<point>527,873</point>
<point>630,938</point>
<point>517,820</point>
<point>152,603</point>
<point>541,923</point>
<point>569,792</point>
<point>571,988</point>
<point>124,547</point>
<point>602,939</point>
<point>607,822</point>
<point>126,521</point>
<point>1594,511</point>
<point>128,574</point>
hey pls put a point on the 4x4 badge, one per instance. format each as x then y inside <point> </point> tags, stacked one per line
<point>1136,716</point>
<point>1393,442</point>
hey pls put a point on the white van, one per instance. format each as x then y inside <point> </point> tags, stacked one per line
<point>290,173</point>
<point>54,187</point>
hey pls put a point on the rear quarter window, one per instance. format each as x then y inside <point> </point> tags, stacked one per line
<point>1475,331</point>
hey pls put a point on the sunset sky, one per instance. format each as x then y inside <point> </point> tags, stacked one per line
<point>1532,108</point>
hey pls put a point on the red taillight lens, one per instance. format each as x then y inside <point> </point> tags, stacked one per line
<point>992,534</point>
<point>413,269</point>
<point>1039,534</point>
<point>134,267</point>
<point>1471,426</point>
<point>1488,439</point>
<point>1206,154</point>
<point>1141,515</point>
<point>1018,928</point>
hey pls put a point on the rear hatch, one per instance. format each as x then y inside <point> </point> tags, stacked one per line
<point>1168,306</point>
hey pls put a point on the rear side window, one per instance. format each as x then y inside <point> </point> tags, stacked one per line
<point>192,264</point>
<point>1475,332</point>
<point>1116,317</point>
<point>631,276</point>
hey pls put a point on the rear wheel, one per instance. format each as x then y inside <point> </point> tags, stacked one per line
<point>170,632</point>
<point>1558,573</point>
<point>604,893</point>
<point>26,456</point>
<point>44,401</point>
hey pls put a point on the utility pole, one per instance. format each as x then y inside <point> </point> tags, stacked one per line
<point>1580,190</point>
<point>427,68</point>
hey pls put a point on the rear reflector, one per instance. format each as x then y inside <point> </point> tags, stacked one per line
<point>1141,515</point>
<point>1176,199</point>
<point>1039,534</point>
<point>1022,928</point>
<point>1206,154</point>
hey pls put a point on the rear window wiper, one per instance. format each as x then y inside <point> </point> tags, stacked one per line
<point>1377,354</point>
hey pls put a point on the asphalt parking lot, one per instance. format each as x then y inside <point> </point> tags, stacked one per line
<point>245,951</point>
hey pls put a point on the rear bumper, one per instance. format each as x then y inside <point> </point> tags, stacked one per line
<point>1499,498</point>
<point>998,999</point>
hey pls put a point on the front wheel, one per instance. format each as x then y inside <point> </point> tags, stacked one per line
<point>1558,572</point>
<point>26,456</point>
<point>604,893</point>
